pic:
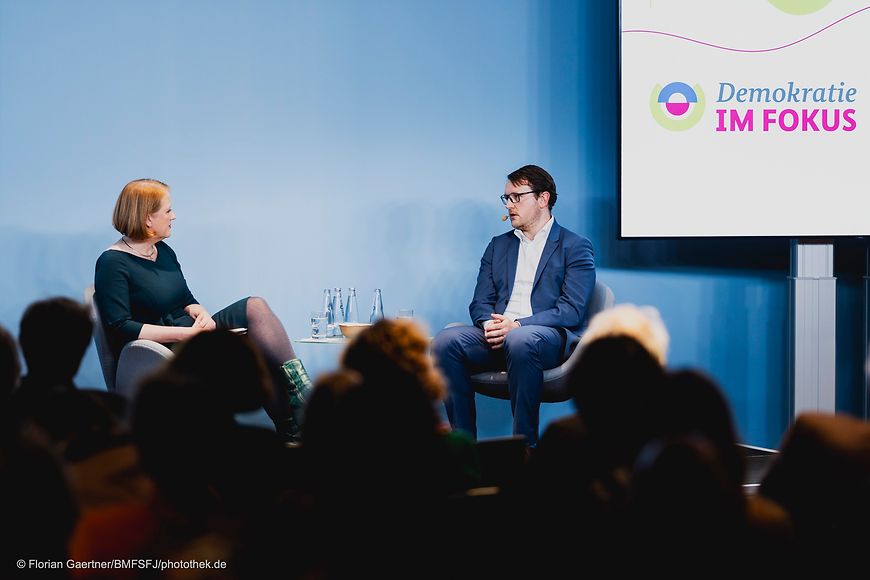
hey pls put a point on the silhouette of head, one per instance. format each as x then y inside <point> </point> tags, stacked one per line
<point>822,477</point>
<point>322,414</point>
<point>372,438</point>
<point>692,404</point>
<point>54,335</point>
<point>681,495</point>
<point>614,385</point>
<point>230,364</point>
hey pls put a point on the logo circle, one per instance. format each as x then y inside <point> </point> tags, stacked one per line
<point>677,98</point>
<point>677,106</point>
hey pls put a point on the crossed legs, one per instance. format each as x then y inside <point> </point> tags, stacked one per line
<point>266,330</point>
<point>263,326</point>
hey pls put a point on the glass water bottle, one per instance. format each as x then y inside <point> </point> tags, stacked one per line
<point>377,307</point>
<point>351,313</point>
<point>337,312</point>
<point>326,306</point>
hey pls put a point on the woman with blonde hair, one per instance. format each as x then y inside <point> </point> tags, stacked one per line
<point>141,292</point>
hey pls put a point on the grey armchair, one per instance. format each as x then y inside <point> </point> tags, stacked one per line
<point>494,383</point>
<point>137,359</point>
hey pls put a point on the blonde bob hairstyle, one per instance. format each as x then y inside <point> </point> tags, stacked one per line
<point>642,323</point>
<point>138,200</point>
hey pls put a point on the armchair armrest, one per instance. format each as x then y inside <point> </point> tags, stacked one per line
<point>138,359</point>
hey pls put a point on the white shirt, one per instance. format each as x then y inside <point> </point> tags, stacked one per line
<point>520,303</point>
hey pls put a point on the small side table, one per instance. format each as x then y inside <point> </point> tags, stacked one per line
<point>330,340</point>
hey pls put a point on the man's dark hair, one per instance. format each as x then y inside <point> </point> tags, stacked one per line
<point>54,335</point>
<point>536,178</point>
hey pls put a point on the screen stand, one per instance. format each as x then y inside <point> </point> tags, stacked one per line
<point>866,361</point>
<point>812,326</point>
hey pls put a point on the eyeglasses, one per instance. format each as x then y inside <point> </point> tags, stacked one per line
<point>515,197</point>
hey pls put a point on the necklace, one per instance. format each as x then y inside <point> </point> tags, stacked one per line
<point>149,256</point>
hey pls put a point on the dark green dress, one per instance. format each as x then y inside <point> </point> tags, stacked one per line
<point>131,291</point>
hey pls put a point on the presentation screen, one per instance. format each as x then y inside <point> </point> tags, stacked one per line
<point>745,118</point>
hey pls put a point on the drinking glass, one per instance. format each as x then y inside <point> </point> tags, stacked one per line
<point>405,314</point>
<point>318,323</point>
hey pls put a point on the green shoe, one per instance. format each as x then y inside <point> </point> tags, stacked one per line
<point>298,389</point>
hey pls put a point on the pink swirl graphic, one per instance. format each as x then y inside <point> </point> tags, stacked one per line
<point>747,50</point>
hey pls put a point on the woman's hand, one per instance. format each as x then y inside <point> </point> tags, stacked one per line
<point>204,321</point>
<point>201,318</point>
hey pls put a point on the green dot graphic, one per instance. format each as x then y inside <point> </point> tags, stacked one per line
<point>799,7</point>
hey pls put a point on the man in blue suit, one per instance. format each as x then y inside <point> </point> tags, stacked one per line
<point>529,306</point>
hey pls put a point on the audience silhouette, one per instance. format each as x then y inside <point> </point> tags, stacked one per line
<point>395,352</point>
<point>38,507</point>
<point>54,335</point>
<point>822,478</point>
<point>646,475</point>
<point>581,470</point>
<point>378,452</point>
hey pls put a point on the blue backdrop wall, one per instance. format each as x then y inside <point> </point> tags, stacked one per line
<point>316,144</point>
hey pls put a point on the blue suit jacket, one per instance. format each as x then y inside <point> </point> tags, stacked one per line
<point>563,282</point>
